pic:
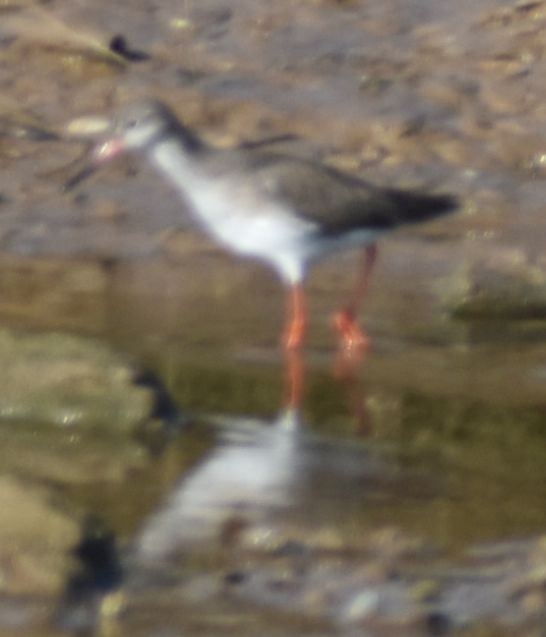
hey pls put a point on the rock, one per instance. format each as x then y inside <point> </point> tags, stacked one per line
<point>34,540</point>
<point>68,381</point>
<point>363,605</point>
<point>499,284</point>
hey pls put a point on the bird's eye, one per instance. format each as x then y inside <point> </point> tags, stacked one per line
<point>131,124</point>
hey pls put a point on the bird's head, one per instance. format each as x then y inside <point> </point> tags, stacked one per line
<point>137,127</point>
<point>141,126</point>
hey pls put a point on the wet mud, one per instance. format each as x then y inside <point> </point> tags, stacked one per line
<point>158,476</point>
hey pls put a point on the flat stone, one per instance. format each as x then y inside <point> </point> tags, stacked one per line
<point>34,540</point>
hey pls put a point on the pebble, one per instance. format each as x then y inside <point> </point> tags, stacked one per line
<point>360,607</point>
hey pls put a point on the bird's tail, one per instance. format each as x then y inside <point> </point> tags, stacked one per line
<point>417,206</point>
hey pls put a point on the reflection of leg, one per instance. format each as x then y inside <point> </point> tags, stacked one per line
<point>294,379</point>
<point>352,337</point>
<point>346,371</point>
<point>297,319</point>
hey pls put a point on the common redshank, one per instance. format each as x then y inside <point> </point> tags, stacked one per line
<point>283,210</point>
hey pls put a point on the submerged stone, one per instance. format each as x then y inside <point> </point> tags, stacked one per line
<point>502,284</point>
<point>34,539</point>
<point>68,380</point>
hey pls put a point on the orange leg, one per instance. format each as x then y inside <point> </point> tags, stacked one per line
<point>297,319</point>
<point>353,339</point>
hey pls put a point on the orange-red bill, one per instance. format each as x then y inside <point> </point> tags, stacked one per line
<point>108,150</point>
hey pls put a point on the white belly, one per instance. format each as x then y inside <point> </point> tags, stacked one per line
<point>260,230</point>
<point>249,224</point>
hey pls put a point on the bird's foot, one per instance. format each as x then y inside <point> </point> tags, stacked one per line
<point>354,342</point>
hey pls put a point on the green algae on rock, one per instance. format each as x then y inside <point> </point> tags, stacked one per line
<point>68,380</point>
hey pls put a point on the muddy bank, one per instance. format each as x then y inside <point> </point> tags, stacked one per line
<point>450,396</point>
<point>403,94</point>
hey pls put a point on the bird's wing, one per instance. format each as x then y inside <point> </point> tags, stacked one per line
<point>337,202</point>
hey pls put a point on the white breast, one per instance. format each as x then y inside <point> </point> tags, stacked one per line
<point>235,215</point>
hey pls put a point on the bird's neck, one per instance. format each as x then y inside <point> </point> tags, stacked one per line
<point>188,140</point>
<point>176,156</point>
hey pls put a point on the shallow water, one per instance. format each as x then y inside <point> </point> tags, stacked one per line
<point>440,441</point>
<point>439,432</point>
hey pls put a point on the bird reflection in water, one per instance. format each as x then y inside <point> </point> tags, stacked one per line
<point>257,471</point>
<point>252,473</point>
